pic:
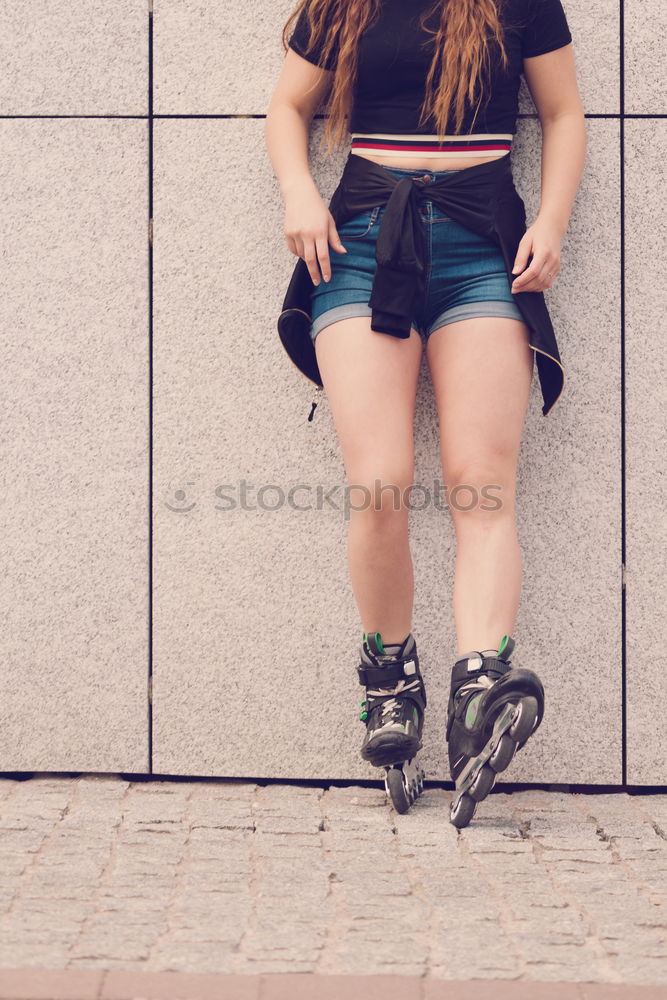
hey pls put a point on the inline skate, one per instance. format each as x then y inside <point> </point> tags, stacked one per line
<point>493,709</point>
<point>393,711</point>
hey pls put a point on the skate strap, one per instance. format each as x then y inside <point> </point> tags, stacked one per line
<point>492,665</point>
<point>381,676</point>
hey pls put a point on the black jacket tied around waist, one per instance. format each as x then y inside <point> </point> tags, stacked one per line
<point>482,198</point>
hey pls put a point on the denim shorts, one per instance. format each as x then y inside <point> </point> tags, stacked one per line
<point>465,273</point>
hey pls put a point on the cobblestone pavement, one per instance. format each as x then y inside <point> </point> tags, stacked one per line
<point>98,873</point>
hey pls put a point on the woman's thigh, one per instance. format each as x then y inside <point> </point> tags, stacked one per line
<point>481,370</point>
<point>370,379</point>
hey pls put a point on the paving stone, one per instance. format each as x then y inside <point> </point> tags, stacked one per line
<point>277,879</point>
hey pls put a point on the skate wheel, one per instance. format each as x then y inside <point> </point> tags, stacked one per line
<point>523,725</point>
<point>462,811</point>
<point>483,783</point>
<point>502,755</point>
<point>395,784</point>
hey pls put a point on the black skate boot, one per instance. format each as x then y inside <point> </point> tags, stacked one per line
<point>493,709</point>
<point>393,711</point>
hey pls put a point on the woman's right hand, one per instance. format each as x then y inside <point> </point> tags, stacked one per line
<point>309,229</point>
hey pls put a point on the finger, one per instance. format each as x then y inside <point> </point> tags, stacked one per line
<point>310,258</point>
<point>541,279</point>
<point>538,284</point>
<point>522,255</point>
<point>334,238</point>
<point>547,274</point>
<point>528,275</point>
<point>322,247</point>
<point>533,286</point>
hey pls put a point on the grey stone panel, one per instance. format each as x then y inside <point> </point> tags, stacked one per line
<point>570,480</point>
<point>76,58</point>
<point>204,52</point>
<point>74,446</point>
<point>256,631</point>
<point>595,28</point>
<point>646,449</point>
<point>645,59</point>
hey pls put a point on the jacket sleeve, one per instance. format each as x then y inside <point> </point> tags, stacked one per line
<point>546,28</point>
<point>301,37</point>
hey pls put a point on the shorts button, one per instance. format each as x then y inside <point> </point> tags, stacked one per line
<point>425,177</point>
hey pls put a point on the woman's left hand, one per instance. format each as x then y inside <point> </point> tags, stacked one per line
<point>542,240</point>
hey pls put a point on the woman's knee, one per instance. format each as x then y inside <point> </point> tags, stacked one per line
<point>482,490</point>
<point>381,493</point>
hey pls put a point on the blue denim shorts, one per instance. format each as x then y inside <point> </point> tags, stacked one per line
<point>465,273</point>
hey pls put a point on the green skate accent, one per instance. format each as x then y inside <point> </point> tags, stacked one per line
<point>415,713</point>
<point>503,643</point>
<point>472,710</point>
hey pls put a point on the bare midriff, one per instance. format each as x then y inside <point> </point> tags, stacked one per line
<point>430,163</point>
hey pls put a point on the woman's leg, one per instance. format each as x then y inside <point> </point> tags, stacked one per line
<point>481,370</point>
<point>370,380</point>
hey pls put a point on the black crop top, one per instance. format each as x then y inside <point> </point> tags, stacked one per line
<point>392,71</point>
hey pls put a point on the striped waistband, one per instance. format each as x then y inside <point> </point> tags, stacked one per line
<point>480,144</point>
